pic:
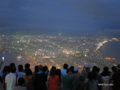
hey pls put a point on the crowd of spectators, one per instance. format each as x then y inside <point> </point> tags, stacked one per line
<point>69,78</point>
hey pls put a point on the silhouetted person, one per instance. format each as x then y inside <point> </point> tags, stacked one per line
<point>105,79</point>
<point>114,70</point>
<point>63,71</point>
<point>72,69</point>
<point>53,67</point>
<point>53,80</point>
<point>86,70</point>
<point>67,80</point>
<point>40,79</point>
<point>93,83</point>
<point>10,79</point>
<point>75,77</point>
<point>13,65</point>
<point>20,86</point>
<point>35,71</point>
<point>99,78</point>
<point>106,71</point>
<point>82,85</point>
<point>28,76</point>
<point>20,73</point>
<point>116,79</point>
<point>45,69</point>
<point>27,66</point>
<point>58,72</point>
<point>93,71</point>
<point>5,71</point>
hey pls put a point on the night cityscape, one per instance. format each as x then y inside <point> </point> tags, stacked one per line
<point>57,50</point>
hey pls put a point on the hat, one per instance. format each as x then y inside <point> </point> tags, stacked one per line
<point>118,67</point>
<point>40,67</point>
<point>75,69</point>
<point>87,66</point>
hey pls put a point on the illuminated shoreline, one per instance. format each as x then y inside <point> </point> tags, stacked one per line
<point>100,45</point>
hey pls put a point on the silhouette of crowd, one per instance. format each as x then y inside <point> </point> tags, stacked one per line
<point>69,78</point>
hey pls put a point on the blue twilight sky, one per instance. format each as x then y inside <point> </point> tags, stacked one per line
<point>66,15</point>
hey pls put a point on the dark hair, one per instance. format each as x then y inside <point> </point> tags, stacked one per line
<point>5,69</point>
<point>68,70</point>
<point>97,69</point>
<point>94,68</point>
<point>21,81</point>
<point>105,69</point>
<point>87,69</point>
<point>12,69</point>
<point>65,66</point>
<point>20,67</point>
<point>113,68</point>
<point>27,65</point>
<point>72,69</point>
<point>45,68</point>
<point>8,69</point>
<point>28,72</point>
<point>12,65</point>
<point>58,72</point>
<point>40,67</point>
<point>36,69</point>
<point>105,72</point>
<point>53,72</point>
<point>92,77</point>
<point>53,67</point>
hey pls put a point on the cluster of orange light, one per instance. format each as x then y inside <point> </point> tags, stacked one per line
<point>76,55</point>
<point>108,58</point>
<point>115,39</point>
<point>68,51</point>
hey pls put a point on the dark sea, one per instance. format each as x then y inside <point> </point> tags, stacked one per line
<point>11,58</point>
<point>111,49</point>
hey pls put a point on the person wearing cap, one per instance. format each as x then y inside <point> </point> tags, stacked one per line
<point>75,77</point>
<point>86,70</point>
<point>115,80</point>
<point>40,79</point>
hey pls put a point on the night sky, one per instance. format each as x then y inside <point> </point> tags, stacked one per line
<point>59,15</point>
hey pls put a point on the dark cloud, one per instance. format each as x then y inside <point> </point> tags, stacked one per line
<point>59,14</point>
